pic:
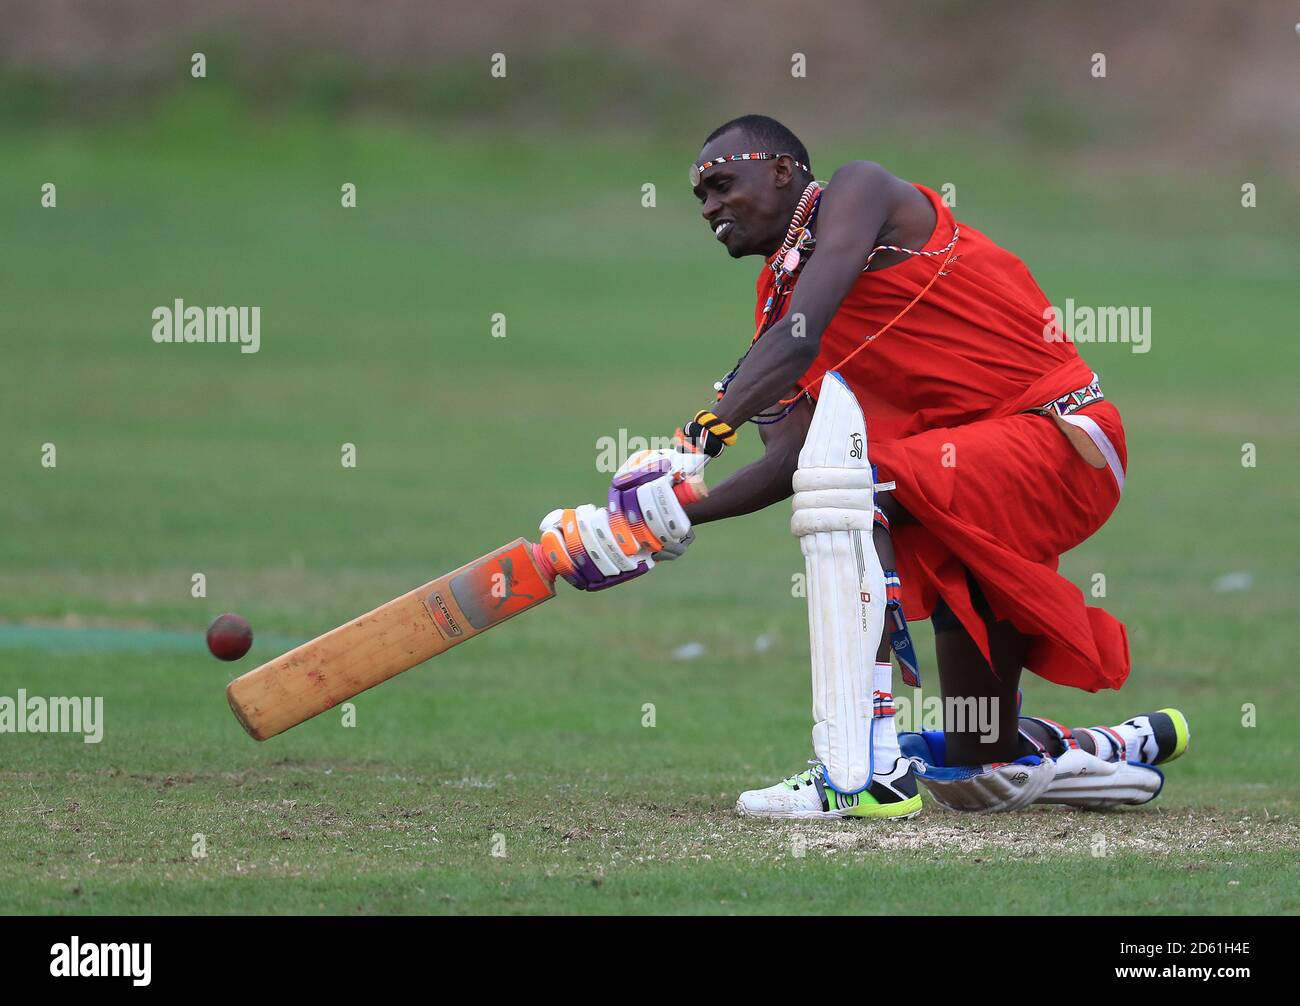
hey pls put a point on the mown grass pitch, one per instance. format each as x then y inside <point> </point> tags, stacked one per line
<point>516,774</point>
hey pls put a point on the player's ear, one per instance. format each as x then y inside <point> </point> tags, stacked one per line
<point>784,171</point>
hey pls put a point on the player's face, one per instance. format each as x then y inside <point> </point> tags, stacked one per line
<point>741,201</point>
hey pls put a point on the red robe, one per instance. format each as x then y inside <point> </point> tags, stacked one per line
<point>993,489</point>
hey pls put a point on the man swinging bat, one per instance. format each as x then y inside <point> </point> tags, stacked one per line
<point>944,446</point>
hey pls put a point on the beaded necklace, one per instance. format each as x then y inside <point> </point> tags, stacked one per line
<point>788,260</point>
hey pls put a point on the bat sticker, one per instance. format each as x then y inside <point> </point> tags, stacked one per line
<point>498,586</point>
<point>442,618</point>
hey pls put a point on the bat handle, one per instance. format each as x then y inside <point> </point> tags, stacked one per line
<point>543,563</point>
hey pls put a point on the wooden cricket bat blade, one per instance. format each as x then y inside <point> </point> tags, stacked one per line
<point>396,636</point>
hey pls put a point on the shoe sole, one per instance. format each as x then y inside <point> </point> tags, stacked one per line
<point>888,811</point>
<point>881,812</point>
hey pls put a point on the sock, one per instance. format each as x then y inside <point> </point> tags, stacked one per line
<point>1092,740</point>
<point>1105,745</point>
<point>884,734</point>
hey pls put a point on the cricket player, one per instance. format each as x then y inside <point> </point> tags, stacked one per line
<point>944,444</point>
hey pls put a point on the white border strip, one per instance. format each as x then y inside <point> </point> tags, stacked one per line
<point>1098,436</point>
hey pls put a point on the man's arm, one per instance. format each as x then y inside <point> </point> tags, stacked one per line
<point>765,481</point>
<point>854,209</point>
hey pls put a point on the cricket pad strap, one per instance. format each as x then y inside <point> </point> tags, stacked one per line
<point>833,511</point>
<point>977,789</point>
<point>900,636</point>
<point>1086,781</point>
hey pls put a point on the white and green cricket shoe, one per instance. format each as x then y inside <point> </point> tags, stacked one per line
<point>807,796</point>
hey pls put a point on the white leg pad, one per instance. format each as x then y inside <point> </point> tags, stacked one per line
<point>987,789</point>
<point>833,519</point>
<point>1084,780</point>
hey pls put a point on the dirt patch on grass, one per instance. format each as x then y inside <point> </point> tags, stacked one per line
<point>1046,833</point>
<point>630,835</point>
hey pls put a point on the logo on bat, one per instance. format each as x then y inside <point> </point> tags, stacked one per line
<point>506,580</point>
<point>442,617</point>
<point>497,587</point>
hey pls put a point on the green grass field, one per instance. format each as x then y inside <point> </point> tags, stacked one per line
<point>514,774</point>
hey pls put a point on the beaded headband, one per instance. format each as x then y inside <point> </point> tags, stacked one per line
<point>698,169</point>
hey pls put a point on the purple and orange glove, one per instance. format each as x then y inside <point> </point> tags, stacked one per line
<point>599,547</point>
<point>581,544</point>
<point>648,495</point>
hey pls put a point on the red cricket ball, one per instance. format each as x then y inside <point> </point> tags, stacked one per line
<point>230,636</point>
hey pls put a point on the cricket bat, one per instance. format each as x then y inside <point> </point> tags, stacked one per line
<point>396,636</point>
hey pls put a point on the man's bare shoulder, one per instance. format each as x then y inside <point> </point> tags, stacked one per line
<point>909,216</point>
<point>868,177</point>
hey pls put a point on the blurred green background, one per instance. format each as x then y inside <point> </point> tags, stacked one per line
<point>523,195</point>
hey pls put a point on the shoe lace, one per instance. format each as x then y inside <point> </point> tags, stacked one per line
<point>805,777</point>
